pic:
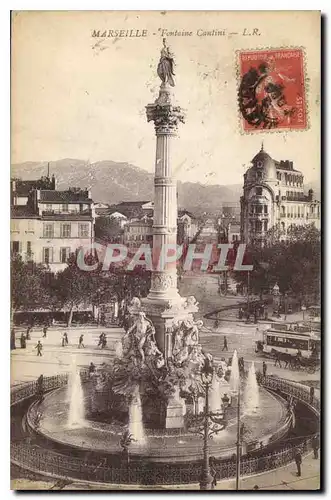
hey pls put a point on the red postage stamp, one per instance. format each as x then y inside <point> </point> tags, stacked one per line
<point>272,92</point>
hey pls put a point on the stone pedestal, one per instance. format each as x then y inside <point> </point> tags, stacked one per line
<point>175,415</point>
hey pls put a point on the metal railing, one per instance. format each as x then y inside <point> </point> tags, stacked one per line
<point>55,464</point>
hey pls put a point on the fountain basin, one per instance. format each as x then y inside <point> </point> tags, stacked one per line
<point>160,445</point>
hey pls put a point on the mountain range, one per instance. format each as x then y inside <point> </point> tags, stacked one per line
<point>112,182</point>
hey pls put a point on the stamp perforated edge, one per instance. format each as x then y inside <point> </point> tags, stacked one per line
<point>306,82</point>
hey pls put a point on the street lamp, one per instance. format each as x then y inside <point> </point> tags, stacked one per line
<point>238,442</point>
<point>206,424</point>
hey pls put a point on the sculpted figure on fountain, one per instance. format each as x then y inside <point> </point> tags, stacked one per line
<point>185,341</point>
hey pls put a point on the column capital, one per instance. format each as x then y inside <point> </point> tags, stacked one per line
<point>165,115</point>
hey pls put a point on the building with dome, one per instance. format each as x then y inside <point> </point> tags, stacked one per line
<point>274,197</point>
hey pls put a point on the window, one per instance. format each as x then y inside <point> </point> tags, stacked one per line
<point>48,207</point>
<point>28,248</point>
<point>265,209</point>
<point>259,191</point>
<point>265,226</point>
<point>47,255</point>
<point>31,226</point>
<point>83,230</point>
<point>15,246</point>
<point>65,207</point>
<point>64,254</point>
<point>14,226</point>
<point>66,230</point>
<point>48,230</point>
<point>259,209</point>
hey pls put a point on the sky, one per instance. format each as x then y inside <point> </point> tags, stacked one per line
<point>75,98</point>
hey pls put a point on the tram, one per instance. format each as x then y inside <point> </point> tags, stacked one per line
<point>290,338</point>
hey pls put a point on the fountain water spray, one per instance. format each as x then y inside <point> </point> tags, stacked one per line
<point>76,417</point>
<point>136,427</point>
<point>234,377</point>
<point>215,394</point>
<point>252,393</point>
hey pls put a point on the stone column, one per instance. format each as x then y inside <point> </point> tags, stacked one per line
<point>163,304</point>
<point>166,117</point>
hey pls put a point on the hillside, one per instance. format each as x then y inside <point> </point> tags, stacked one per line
<point>112,182</point>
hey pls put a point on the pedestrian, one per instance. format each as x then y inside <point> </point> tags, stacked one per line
<point>255,316</point>
<point>45,331</point>
<point>298,461</point>
<point>64,339</point>
<point>28,332</point>
<point>39,348</point>
<point>311,395</point>
<point>81,340</point>
<point>264,369</point>
<point>23,341</point>
<point>225,344</point>
<point>12,339</point>
<point>315,444</point>
<point>100,339</point>
<point>104,341</point>
<point>240,313</point>
<point>256,487</point>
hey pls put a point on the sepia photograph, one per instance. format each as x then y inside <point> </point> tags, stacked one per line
<point>165,250</point>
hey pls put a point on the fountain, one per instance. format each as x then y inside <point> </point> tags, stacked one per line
<point>136,427</point>
<point>234,377</point>
<point>252,392</point>
<point>215,395</point>
<point>76,416</point>
<point>159,353</point>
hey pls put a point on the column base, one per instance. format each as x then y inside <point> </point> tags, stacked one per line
<point>164,313</point>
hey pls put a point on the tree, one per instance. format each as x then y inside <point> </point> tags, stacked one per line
<point>108,229</point>
<point>28,285</point>
<point>73,286</point>
<point>293,263</point>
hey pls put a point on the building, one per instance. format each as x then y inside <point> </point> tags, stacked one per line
<point>133,210</point>
<point>138,232</point>
<point>20,190</point>
<point>274,197</point>
<point>187,226</point>
<point>101,209</point>
<point>52,225</point>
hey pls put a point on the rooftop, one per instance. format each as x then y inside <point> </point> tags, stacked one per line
<point>22,212</point>
<point>71,195</point>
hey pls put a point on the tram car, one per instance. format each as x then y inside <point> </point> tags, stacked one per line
<point>290,338</point>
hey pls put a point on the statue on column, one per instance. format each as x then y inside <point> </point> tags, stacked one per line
<point>165,69</point>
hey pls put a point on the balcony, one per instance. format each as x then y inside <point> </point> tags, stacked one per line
<point>67,212</point>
